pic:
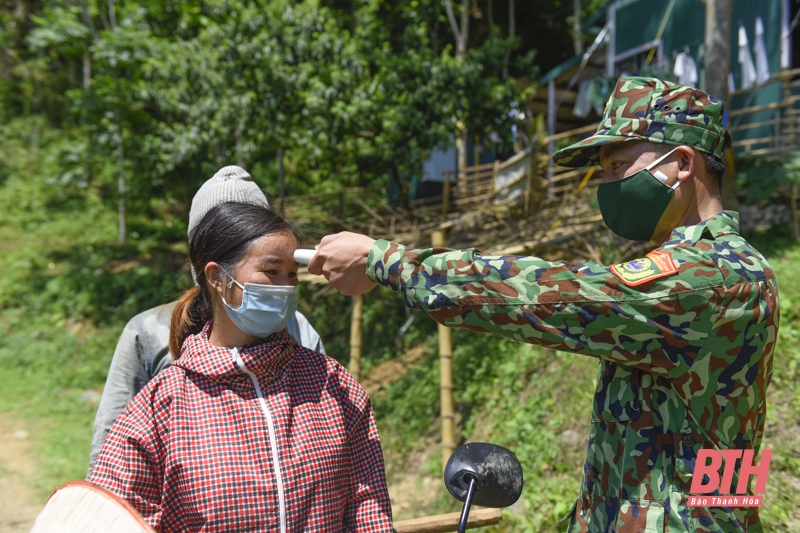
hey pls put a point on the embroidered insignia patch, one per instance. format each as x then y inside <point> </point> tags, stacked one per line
<point>652,266</point>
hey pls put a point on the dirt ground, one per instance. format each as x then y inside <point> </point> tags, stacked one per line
<point>19,505</point>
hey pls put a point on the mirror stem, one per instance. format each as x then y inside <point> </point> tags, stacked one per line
<point>462,524</point>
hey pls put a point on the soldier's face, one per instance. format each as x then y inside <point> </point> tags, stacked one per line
<point>620,160</point>
<point>623,159</point>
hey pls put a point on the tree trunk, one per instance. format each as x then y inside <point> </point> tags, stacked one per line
<point>281,180</point>
<point>87,20</point>
<point>87,70</point>
<point>123,226</point>
<point>237,147</point>
<point>461,151</point>
<point>718,66</point>
<point>577,36</point>
<point>462,51</point>
<point>404,197</point>
<point>461,35</point>
<point>123,230</point>
<point>512,19</point>
<point>512,31</point>
<point>87,82</point>
<point>793,206</point>
<point>112,15</point>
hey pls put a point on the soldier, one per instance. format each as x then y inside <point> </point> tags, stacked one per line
<point>684,335</point>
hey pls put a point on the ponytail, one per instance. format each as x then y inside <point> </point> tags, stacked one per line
<point>188,318</point>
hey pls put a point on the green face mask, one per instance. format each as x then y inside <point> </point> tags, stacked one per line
<point>632,206</point>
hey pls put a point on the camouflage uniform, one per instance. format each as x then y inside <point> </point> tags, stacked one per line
<point>685,337</point>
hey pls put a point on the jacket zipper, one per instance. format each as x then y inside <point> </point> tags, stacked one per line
<point>273,444</point>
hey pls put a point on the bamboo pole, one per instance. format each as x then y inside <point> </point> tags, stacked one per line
<point>355,336</point>
<point>445,376</point>
<point>493,182</point>
<point>526,200</point>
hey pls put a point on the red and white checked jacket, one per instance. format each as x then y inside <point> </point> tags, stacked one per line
<point>269,437</point>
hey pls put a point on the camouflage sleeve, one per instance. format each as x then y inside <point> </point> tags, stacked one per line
<point>659,326</point>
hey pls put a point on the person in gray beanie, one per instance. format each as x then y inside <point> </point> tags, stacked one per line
<point>142,350</point>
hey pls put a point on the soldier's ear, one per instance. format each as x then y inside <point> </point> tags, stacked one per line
<point>687,162</point>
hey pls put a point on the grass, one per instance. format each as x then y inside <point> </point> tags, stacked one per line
<point>66,292</point>
<point>528,399</point>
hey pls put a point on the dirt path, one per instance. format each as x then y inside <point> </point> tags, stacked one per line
<point>19,504</point>
<point>392,370</point>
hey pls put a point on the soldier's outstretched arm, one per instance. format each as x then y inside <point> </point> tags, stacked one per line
<point>658,319</point>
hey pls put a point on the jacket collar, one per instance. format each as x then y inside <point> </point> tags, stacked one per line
<point>268,358</point>
<point>721,224</point>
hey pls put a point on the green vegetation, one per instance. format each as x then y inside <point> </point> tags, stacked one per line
<point>345,89</point>
<point>113,114</point>
<point>68,288</point>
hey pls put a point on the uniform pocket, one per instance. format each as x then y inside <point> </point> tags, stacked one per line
<point>640,516</point>
<point>618,397</point>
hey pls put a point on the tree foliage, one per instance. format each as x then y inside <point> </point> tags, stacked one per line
<point>165,92</point>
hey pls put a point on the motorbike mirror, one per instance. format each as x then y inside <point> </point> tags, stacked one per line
<point>495,471</point>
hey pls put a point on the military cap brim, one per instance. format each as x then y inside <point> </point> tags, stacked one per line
<point>587,151</point>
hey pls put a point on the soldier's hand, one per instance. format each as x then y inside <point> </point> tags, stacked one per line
<point>342,259</point>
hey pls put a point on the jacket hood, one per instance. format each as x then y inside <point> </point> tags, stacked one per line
<point>267,358</point>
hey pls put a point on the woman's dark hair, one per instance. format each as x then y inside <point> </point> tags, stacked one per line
<point>224,236</point>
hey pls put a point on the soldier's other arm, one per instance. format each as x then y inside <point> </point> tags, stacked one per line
<point>659,326</point>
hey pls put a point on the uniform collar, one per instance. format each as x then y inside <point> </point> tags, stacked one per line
<point>267,358</point>
<point>724,223</point>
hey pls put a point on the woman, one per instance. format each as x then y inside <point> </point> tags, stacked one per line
<point>247,431</point>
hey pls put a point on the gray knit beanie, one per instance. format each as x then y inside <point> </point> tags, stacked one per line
<point>229,184</point>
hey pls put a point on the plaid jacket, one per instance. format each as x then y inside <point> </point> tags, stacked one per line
<point>269,437</point>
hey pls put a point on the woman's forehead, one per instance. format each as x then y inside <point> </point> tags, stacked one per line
<point>273,247</point>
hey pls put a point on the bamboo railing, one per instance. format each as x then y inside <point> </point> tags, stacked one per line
<point>472,207</point>
<point>777,124</point>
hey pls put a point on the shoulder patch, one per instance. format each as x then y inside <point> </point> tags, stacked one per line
<point>652,266</point>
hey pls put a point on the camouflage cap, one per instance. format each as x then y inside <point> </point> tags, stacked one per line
<point>649,109</point>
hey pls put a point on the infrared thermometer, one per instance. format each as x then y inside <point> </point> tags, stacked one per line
<point>304,257</point>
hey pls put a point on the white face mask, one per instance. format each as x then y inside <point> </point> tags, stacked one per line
<point>265,309</point>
